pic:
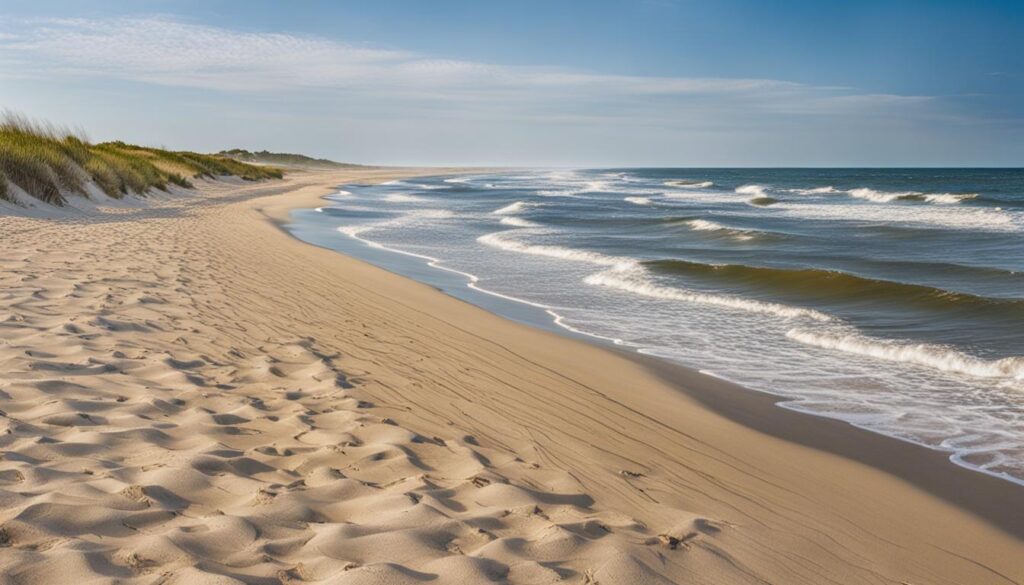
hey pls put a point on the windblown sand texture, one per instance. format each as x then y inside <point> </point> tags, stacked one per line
<point>191,396</point>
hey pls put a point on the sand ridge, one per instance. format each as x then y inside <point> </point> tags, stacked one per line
<point>191,396</point>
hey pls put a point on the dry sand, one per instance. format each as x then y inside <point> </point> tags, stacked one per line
<point>189,395</point>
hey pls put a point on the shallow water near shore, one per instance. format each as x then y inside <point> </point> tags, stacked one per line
<point>892,299</point>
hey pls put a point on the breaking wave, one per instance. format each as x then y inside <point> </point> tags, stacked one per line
<point>628,274</point>
<point>631,278</point>
<point>703,225</point>
<point>513,208</point>
<point>588,187</point>
<point>890,196</point>
<point>502,241</point>
<point>922,354</point>
<point>815,191</point>
<point>684,184</point>
<point>841,287</point>
<point>402,198</point>
<point>752,190</point>
<point>518,222</point>
<point>758,195</point>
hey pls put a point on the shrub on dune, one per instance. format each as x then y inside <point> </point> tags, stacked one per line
<point>179,180</point>
<point>220,166</point>
<point>31,157</point>
<point>70,176</point>
<point>136,173</point>
<point>48,162</point>
<point>105,177</point>
<point>25,169</point>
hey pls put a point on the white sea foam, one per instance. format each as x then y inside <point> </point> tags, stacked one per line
<point>518,222</point>
<point>631,278</point>
<point>946,216</point>
<point>472,280</point>
<point>504,241</point>
<point>411,217</point>
<point>627,274</point>
<point>513,208</point>
<point>638,200</point>
<point>815,191</point>
<point>402,198</point>
<point>688,184</point>
<point>949,198</point>
<point>932,356</point>
<point>355,232</point>
<point>407,184</point>
<point>457,180</point>
<point>703,225</point>
<point>577,191</point>
<point>890,196</point>
<point>758,194</point>
<point>694,195</point>
<point>752,190</point>
<point>350,208</point>
<point>560,321</point>
<point>879,196</point>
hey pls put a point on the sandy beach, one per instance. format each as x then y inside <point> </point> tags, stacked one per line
<point>190,395</point>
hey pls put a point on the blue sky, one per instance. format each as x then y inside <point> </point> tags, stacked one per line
<point>556,83</point>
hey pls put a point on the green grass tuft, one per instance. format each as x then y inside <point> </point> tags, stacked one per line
<point>25,169</point>
<point>48,162</point>
<point>285,159</point>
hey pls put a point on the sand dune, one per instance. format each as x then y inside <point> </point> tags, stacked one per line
<point>190,396</point>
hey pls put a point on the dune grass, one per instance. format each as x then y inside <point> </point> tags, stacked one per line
<point>285,159</point>
<point>49,162</point>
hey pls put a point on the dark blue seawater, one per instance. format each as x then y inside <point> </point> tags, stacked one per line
<point>893,299</point>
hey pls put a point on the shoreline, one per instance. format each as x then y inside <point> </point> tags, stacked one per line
<point>295,411</point>
<point>1002,502</point>
<point>930,468</point>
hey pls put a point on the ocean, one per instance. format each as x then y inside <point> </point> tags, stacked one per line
<point>889,298</point>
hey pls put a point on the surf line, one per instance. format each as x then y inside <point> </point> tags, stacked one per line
<point>472,280</point>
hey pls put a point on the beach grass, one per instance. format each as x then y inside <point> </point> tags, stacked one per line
<point>285,159</point>
<point>49,162</point>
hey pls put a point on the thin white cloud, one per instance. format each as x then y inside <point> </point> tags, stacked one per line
<point>301,92</point>
<point>171,52</point>
<point>176,53</point>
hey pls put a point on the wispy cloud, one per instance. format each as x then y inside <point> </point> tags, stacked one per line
<point>175,53</point>
<point>170,52</point>
<point>302,92</point>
